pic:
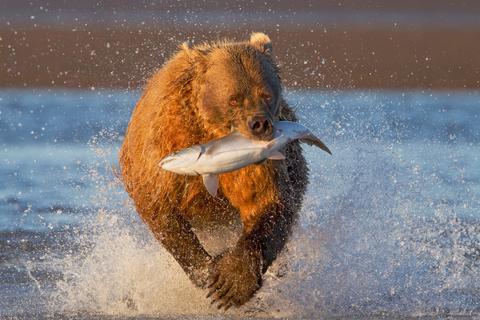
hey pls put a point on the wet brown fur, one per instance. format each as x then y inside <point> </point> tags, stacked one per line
<point>187,102</point>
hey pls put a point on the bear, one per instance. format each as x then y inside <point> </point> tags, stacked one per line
<point>203,92</point>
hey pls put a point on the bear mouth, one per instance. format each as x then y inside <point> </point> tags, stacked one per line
<point>258,137</point>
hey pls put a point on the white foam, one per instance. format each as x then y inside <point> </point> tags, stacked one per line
<point>370,240</point>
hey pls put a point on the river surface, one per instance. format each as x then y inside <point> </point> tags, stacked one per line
<point>390,225</point>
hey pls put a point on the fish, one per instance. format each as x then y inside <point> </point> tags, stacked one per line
<point>236,151</point>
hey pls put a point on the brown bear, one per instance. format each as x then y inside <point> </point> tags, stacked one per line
<point>202,93</point>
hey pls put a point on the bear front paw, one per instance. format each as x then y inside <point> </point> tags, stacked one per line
<point>235,277</point>
<point>199,277</point>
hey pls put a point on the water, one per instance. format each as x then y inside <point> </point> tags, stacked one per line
<point>390,225</point>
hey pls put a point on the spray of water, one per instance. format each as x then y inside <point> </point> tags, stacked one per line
<point>119,268</point>
<point>377,236</point>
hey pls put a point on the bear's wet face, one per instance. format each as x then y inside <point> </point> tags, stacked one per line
<point>241,90</point>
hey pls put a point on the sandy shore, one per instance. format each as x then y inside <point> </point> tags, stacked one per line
<point>317,45</point>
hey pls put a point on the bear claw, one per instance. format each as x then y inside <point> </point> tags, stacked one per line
<point>235,278</point>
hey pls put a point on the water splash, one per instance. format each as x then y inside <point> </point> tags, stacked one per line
<point>119,268</point>
<point>382,232</point>
<point>123,274</point>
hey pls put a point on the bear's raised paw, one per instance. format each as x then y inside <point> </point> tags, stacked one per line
<point>235,277</point>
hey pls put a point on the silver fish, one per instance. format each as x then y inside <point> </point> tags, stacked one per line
<point>234,152</point>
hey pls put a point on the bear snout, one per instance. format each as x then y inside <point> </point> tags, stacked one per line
<point>260,126</point>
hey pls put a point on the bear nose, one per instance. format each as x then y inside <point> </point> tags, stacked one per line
<point>260,125</point>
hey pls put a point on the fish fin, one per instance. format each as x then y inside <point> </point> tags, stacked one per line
<point>211,183</point>
<point>314,141</point>
<point>277,155</point>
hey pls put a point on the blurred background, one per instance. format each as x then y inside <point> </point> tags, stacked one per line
<point>319,44</point>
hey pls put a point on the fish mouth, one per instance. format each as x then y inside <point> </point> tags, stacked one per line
<point>165,161</point>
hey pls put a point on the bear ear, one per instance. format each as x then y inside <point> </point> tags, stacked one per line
<point>261,42</point>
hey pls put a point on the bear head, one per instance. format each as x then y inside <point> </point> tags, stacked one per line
<point>238,86</point>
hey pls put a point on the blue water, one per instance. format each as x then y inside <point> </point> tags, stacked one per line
<point>390,224</point>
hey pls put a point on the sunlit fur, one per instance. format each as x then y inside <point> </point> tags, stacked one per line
<point>200,94</point>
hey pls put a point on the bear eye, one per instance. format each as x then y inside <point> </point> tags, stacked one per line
<point>233,101</point>
<point>267,98</point>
